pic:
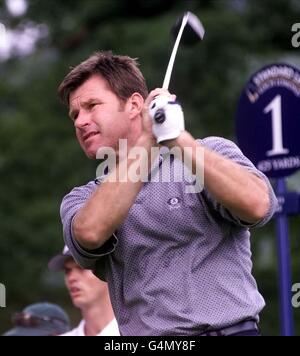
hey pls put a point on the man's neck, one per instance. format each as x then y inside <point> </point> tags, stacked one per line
<point>129,143</point>
<point>96,318</point>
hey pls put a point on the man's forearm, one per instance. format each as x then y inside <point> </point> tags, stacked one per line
<point>240,191</point>
<point>108,207</point>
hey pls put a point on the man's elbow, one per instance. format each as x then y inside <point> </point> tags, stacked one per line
<point>86,237</point>
<point>260,208</point>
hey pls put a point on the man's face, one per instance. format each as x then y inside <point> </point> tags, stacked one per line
<point>100,117</point>
<point>84,287</point>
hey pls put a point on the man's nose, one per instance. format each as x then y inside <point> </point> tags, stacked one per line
<point>72,276</point>
<point>82,120</point>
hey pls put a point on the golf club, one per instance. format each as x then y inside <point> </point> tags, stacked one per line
<point>194,30</point>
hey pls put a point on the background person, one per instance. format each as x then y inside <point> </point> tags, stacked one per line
<point>41,319</point>
<point>89,294</point>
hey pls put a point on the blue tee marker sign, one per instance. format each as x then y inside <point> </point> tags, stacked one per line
<point>268,120</point>
<point>268,133</point>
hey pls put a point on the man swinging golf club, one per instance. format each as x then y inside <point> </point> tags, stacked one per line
<point>175,263</point>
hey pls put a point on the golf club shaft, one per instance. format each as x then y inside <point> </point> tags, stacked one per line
<point>173,55</point>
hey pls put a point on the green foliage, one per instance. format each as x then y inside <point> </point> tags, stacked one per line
<point>40,160</point>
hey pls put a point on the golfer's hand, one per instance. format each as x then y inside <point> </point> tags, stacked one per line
<point>147,120</point>
<point>166,116</point>
<point>148,124</point>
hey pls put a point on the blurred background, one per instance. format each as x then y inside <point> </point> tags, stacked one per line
<point>40,160</point>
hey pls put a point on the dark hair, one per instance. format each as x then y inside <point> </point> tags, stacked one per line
<point>121,73</point>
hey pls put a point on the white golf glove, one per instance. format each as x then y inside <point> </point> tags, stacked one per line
<point>168,118</point>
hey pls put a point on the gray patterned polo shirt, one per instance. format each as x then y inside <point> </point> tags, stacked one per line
<point>180,263</point>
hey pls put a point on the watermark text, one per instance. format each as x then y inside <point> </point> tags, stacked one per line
<point>2,296</point>
<point>137,164</point>
<point>296,37</point>
<point>296,296</point>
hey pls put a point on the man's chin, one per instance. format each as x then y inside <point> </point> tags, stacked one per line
<point>90,149</point>
<point>91,155</point>
<point>78,302</point>
<point>100,152</point>
<point>97,152</point>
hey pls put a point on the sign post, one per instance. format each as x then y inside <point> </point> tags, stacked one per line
<point>268,126</point>
<point>285,280</point>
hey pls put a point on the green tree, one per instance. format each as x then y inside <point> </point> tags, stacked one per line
<point>40,160</point>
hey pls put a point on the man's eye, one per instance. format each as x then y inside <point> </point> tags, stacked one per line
<point>91,106</point>
<point>73,117</point>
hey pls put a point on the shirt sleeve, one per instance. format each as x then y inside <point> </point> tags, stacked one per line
<point>71,204</point>
<point>230,150</point>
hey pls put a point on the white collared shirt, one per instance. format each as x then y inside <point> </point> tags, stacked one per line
<point>110,329</point>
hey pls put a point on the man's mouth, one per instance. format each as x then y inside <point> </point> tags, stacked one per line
<point>89,135</point>
<point>74,290</point>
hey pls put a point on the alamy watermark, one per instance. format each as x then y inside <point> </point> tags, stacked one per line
<point>296,296</point>
<point>2,296</point>
<point>296,37</point>
<point>2,35</point>
<point>132,165</point>
<point>2,30</point>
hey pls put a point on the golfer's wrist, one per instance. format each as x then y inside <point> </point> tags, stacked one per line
<point>179,141</point>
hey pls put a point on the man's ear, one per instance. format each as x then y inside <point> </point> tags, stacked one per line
<point>136,104</point>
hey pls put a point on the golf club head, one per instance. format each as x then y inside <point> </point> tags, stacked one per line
<point>193,31</point>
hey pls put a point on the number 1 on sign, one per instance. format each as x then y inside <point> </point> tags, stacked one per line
<point>275,108</point>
